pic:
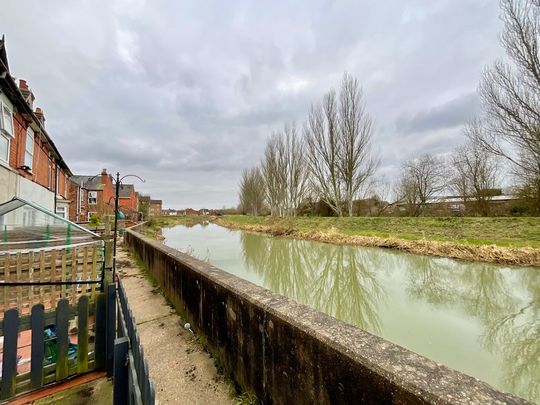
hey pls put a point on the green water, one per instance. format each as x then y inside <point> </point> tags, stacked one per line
<point>481,319</point>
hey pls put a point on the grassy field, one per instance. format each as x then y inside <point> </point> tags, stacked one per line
<point>512,232</point>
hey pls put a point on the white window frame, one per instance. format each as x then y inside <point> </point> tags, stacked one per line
<point>89,215</point>
<point>5,109</point>
<point>29,152</point>
<point>8,139</point>
<point>92,196</point>
<point>61,211</point>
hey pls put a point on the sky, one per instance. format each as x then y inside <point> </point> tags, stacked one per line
<point>185,93</point>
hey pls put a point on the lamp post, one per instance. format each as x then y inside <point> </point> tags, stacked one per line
<point>116,196</point>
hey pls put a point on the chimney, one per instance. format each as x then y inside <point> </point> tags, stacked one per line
<point>40,116</point>
<point>27,93</point>
<point>104,176</point>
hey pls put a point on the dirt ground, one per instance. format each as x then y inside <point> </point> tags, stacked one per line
<point>182,371</point>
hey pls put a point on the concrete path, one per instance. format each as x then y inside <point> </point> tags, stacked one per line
<point>182,371</point>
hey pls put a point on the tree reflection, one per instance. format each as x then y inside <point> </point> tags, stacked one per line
<point>347,282</point>
<point>338,280</point>
<point>505,301</point>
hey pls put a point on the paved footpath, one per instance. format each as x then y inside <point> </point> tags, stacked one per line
<point>182,371</point>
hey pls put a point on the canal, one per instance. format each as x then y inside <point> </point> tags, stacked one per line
<point>478,318</point>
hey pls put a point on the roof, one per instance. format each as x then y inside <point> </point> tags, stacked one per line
<point>11,90</point>
<point>3,56</point>
<point>156,202</point>
<point>89,182</point>
<point>126,190</point>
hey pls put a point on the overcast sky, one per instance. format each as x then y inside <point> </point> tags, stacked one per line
<point>184,93</point>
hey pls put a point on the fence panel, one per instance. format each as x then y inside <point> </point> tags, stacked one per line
<point>50,274</point>
<point>53,352</point>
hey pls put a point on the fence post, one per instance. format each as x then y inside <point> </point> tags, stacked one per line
<point>82,338</point>
<point>37,351</point>
<point>100,345</point>
<point>62,339</point>
<point>110,327</point>
<point>121,371</point>
<point>9,354</point>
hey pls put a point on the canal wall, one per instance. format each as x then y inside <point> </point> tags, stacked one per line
<point>287,353</point>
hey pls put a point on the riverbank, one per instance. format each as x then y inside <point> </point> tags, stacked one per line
<point>513,241</point>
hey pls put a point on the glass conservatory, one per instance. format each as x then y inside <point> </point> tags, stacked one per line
<point>45,258</point>
<point>25,225</point>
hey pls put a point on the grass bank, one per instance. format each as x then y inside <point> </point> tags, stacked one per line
<point>496,240</point>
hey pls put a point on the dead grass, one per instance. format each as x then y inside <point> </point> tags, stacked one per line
<point>523,256</point>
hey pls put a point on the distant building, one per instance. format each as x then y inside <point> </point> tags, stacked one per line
<point>189,212</point>
<point>93,195</point>
<point>128,197</point>
<point>31,166</point>
<point>155,208</point>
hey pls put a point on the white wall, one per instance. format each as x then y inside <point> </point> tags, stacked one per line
<point>13,185</point>
<point>8,184</point>
<point>35,193</point>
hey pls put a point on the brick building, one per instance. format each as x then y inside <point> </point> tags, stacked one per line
<point>92,195</point>
<point>128,197</point>
<point>31,166</point>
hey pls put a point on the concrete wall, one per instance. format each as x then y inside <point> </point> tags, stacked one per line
<point>8,184</point>
<point>288,353</point>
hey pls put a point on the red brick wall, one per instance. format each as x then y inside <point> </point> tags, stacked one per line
<point>130,202</point>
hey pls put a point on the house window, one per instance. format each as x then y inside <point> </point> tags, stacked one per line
<point>29,148</point>
<point>92,197</point>
<point>89,215</point>
<point>61,211</point>
<point>6,120</point>
<point>4,148</point>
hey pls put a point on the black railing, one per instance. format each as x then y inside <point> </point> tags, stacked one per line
<point>132,383</point>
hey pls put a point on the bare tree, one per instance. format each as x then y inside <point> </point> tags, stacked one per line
<point>357,163</point>
<point>338,138</point>
<point>274,172</point>
<point>251,194</point>
<point>297,174</point>
<point>421,180</point>
<point>511,95</point>
<point>475,171</point>
<point>323,149</point>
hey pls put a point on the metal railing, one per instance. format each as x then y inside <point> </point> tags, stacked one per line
<point>132,383</point>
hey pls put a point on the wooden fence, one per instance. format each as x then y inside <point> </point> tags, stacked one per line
<point>67,341</point>
<point>131,377</point>
<point>50,274</point>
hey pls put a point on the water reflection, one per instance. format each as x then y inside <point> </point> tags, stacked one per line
<point>341,282</point>
<point>510,321</point>
<point>479,318</point>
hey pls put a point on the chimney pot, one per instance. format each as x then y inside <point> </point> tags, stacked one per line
<point>104,172</point>
<point>40,116</point>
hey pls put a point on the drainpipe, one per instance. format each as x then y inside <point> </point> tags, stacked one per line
<point>55,183</point>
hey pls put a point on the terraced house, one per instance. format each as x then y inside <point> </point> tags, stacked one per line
<point>31,166</point>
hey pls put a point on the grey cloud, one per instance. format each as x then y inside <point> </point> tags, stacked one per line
<point>184,93</point>
<point>454,113</point>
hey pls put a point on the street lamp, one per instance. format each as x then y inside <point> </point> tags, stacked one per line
<point>117,193</point>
